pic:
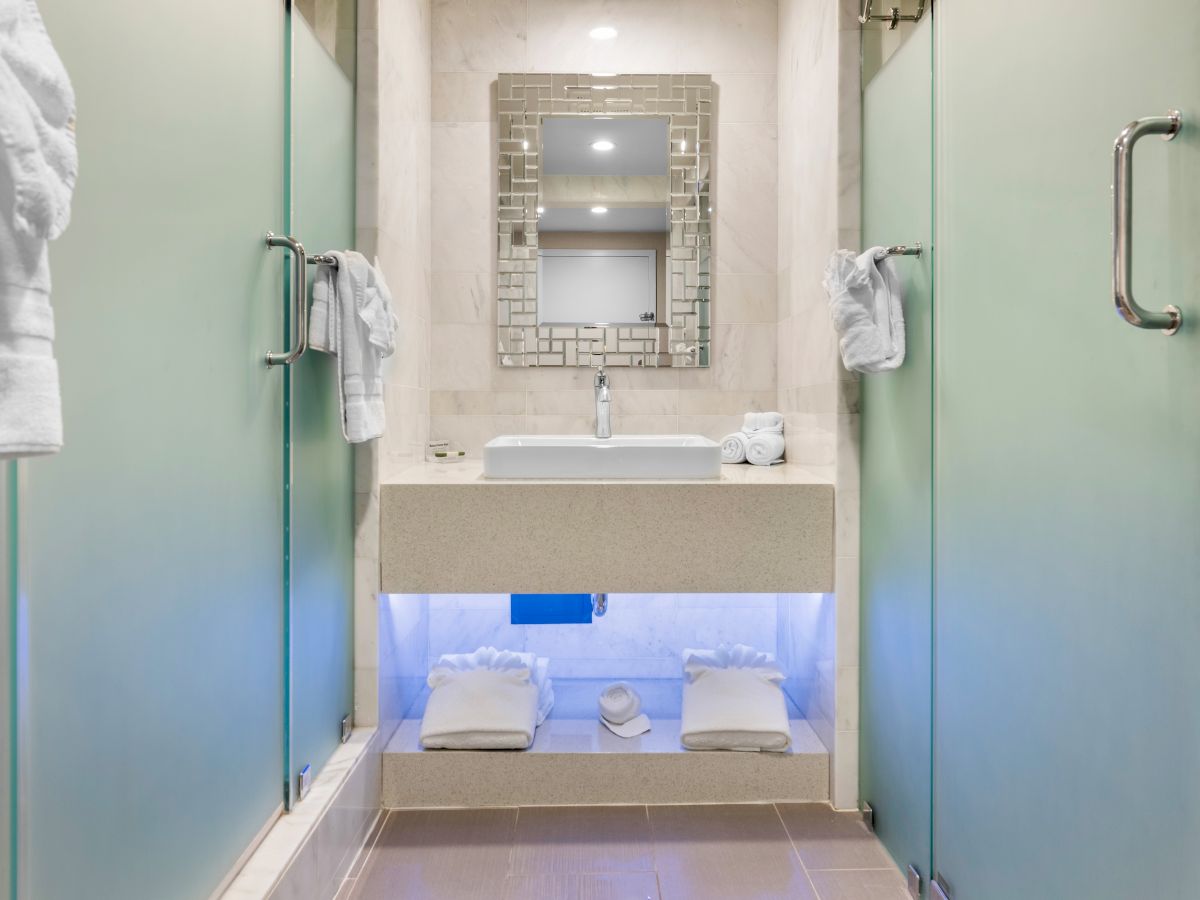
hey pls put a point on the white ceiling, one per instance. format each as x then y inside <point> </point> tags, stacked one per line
<point>641,146</point>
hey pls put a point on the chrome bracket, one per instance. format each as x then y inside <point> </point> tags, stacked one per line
<point>893,17</point>
<point>868,816</point>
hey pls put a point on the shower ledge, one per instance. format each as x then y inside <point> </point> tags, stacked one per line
<point>445,529</point>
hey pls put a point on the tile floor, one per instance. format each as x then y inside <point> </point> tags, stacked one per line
<point>728,852</point>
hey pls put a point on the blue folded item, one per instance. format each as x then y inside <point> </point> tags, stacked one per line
<point>550,609</point>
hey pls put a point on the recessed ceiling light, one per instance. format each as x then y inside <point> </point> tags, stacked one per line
<point>542,209</point>
<point>604,74</point>
<point>599,210</point>
<point>603,146</point>
<point>524,145</point>
<point>683,145</point>
<point>603,33</point>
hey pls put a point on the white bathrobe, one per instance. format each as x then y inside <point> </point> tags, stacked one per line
<point>38,165</point>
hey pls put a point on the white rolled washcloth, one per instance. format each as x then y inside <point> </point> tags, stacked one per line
<point>487,700</point>
<point>733,448</point>
<point>621,710</point>
<point>732,700</point>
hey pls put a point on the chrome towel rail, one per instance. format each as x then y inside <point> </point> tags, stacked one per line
<point>299,300</point>
<point>322,259</point>
<point>1169,320</point>
<point>893,17</point>
<point>900,250</point>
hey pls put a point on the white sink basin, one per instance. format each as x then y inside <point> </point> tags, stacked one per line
<point>582,456</point>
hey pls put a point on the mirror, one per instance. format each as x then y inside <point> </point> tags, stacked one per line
<point>604,220</point>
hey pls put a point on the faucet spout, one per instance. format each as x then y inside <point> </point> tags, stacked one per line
<point>603,404</point>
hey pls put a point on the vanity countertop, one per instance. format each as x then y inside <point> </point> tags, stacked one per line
<point>445,528</point>
<point>470,471</point>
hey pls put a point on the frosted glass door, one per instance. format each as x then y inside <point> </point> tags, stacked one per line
<point>1068,488</point>
<point>320,571</point>
<point>151,546</point>
<point>897,491</point>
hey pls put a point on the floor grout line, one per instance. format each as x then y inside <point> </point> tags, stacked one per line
<point>796,851</point>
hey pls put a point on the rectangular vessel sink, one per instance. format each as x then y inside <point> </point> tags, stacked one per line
<point>583,456</point>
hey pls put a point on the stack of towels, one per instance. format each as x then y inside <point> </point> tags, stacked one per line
<point>487,700</point>
<point>732,700</point>
<point>760,441</point>
<point>38,166</point>
<point>621,710</point>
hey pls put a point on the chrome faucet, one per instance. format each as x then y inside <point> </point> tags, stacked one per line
<point>603,405</point>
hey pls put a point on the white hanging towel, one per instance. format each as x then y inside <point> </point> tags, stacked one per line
<point>352,318</point>
<point>38,166</point>
<point>864,300</point>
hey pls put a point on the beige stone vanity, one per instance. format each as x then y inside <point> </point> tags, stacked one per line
<point>446,528</point>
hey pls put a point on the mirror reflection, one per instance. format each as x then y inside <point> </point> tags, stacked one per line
<point>603,220</point>
<point>604,231</point>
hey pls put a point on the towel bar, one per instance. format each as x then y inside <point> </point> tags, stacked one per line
<point>900,250</point>
<point>322,259</point>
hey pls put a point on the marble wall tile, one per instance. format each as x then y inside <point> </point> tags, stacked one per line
<point>477,403</point>
<point>645,403</point>
<point>746,298</point>
<point>725,403</point>
<point>745,99</point>
<point>464,298</point>
<point>472,432</point>
<point>464,97</point>
<point>479,35</point>
<point>649,39</point>
<point>646,424</point>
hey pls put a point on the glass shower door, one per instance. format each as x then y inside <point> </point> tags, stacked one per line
<point>1068,487</point>
<point>321,497</point>
<point>897,487</point>
<point>150,546</point>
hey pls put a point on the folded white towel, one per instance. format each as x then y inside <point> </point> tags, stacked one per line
<point>733,448</point>
<point>765,448</point>
<point>352,318</point>
<point>732,701</point>
<point>487,700</point>
<point>619,702</point>
<point>864,300</point>
<point>38,165</point>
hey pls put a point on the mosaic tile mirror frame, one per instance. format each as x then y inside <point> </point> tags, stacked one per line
<point>523,102</point>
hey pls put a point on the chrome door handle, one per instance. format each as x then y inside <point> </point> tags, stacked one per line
<point>1169,320</point>
<point>299,300</point>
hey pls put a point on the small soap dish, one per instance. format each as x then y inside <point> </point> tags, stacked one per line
<point>442,451</point>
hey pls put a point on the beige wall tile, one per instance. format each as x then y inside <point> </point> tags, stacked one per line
<point>474,36</point>
<point>464,97</point>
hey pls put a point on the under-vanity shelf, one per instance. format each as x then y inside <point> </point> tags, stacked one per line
<point>448,529</point>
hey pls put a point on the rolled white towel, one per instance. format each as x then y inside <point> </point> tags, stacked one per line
<point>770,422</point>
<point>619,703</point>
<point>765,449</point>
<point>733,448</point>
<point>751,422</point>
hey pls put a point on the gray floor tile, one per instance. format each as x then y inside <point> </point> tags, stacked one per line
<point>582,839</point>
<point>832,840</point>
<point>725,852</point>
<point>583,886</point>
<point>859,884</point>
<point>434,854</point>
